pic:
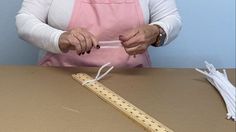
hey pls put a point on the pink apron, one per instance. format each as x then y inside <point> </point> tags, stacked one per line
<point>106,19</point>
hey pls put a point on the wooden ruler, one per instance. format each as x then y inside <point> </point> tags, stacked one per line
<point>121,104</point>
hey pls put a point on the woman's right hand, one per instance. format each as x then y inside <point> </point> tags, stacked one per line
<point>77,39</point>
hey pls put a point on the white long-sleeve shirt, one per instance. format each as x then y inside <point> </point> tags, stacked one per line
<point>41,22</point>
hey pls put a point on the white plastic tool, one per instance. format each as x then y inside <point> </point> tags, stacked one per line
<point>223,85</point>
<point>110,44</point>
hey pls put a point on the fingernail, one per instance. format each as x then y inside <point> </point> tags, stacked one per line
<point>89,52</point>
<point>98,47</point>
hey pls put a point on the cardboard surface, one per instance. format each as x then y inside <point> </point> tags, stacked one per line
<point>37,99</point>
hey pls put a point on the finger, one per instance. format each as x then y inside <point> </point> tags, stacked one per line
<point>140,49</point>
<point>133,42</point>
<point>73,41</point>
<point>75,44</point>
<point>131,51</point>
<point>94,40</point>
<point>88,41</point>
<point>72,47</point>
<point>77,34</point>
<point>128,35</point>
<point>82,43</point>
<point>78,49</point>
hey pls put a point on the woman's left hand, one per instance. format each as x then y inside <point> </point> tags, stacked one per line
<point>138,40</point>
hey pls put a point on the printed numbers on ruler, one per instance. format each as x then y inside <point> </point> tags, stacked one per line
<point>121,104</point>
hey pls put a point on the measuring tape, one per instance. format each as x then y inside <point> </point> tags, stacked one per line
<point>121,104</point>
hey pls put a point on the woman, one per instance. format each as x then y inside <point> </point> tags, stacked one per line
<point>77,32</point>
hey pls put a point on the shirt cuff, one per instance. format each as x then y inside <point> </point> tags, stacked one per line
<point>164,27</point>
<point>55,41</point>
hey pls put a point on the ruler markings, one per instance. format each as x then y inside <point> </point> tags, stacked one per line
<point>121,104</point>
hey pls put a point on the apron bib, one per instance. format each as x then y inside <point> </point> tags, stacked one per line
<point>106,19</point>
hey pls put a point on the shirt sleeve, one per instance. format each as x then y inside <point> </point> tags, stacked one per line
<point>165,14</point>
<point>31,25</point>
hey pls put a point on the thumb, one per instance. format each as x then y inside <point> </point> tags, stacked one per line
<point>128,35</point>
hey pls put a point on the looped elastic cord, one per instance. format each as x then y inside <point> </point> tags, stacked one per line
<point>99,77</point>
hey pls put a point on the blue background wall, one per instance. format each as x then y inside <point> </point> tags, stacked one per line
<point>208,34</point>
<point>12,49</point>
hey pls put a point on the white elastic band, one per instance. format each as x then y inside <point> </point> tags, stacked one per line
<point>98,76</point>
<point>225,88</point>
